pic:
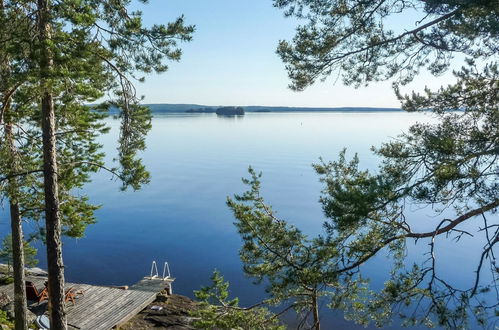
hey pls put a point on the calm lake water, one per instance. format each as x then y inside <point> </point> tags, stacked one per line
<point>196,161</point>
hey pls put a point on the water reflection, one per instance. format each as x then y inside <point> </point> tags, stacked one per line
<point>196,161</point>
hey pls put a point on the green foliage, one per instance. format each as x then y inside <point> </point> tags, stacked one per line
<point>357,41</point>
<point>5,320</point>
<point>354,194</point>
<point>217,311</point>
<point>448,166</point>
<point>6,280</point>
<point>299,272</point>
<point>135,126</point>
<point>6,253</point>
<point>98,48</point>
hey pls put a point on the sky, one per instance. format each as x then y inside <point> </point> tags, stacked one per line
<point>232,61</point>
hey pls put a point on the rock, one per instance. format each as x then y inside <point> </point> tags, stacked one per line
<point>170,321</point>
<point>30,316</point>
<point>174,314</point>
<point>36,271</point>
<point>4,300</point>
<point>161,298</point>
<point>9,309</point>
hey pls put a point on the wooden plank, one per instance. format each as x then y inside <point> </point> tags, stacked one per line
<point>97,308</point>
<point>136,310</point>
<point>128,312</point>
<point>137,298</point>
<point>109,320</point>
<point>116,312</point>
<point>93,298</point>
<point>118,309</point>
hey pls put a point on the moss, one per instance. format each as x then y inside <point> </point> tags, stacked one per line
<point>5,320</point>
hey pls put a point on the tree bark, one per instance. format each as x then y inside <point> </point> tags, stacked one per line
<point>55,263</point>
<point>20,303</point>
<point>315,311</point>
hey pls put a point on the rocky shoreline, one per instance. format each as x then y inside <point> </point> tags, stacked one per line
<point>170,312</point>
<point>7,302</point>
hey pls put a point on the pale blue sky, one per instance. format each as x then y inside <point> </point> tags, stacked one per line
<point>232,61</point>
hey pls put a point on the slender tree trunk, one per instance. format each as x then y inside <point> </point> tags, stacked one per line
<point>52,215</point>
<point>20,303</point>
<point>315,311</point>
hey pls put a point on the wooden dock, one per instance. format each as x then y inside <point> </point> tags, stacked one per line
<point>101,307</point>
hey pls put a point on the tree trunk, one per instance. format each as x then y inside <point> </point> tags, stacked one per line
<point>315,311</point>
<point>52,216</point>
<point>20,303</point>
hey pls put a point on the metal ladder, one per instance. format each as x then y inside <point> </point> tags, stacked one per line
<point>166,274</point>
<point>166,271</point>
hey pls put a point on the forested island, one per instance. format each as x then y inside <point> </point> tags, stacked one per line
<point>221,111</point>
<point>230,111</point>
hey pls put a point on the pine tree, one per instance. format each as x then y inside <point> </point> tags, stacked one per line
<point>9,152</point>
<point>79,52</point>
<point>7,253</point>
<point>451,165</point>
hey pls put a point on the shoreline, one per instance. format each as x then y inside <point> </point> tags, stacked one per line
<point>165,310</point>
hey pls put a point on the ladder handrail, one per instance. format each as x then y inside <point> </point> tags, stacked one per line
<point>166,270</point>
<point>154,267</point>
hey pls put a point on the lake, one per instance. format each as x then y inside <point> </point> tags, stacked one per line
<point>196,161</point>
